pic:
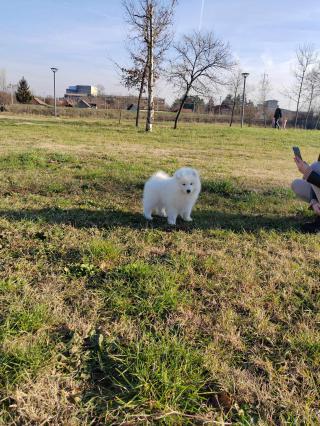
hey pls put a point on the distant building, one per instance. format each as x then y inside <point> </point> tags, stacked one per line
<point>132,107</point>
<point>222,109</point>
<point>84,104</point>
<point>129,102</point>
<point>188,106</point>
<point>271,104</point>
<point>66,103</point>
<point>80,91</point>
<point>191,104</point>
<point>37,101</point>
<point>74,96</point>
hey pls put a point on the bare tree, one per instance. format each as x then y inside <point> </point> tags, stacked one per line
<point>150,22</point>
<point>312,89</point>
<point>306,56</point>
<point>3,80</point>
<point>201,58</point>
<point>4,98</point>
<point>264,89</point>
<point>134,76</point>
<point>100,90</point>
<point>234,84</point>
<point>318,120</point>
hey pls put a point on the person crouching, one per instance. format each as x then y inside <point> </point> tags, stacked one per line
<point>308,190</point>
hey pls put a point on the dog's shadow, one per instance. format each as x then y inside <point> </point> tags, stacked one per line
<point>202,220</point>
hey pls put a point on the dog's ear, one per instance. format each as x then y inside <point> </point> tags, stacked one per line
<point>195,173</point>
<point>178,174</point>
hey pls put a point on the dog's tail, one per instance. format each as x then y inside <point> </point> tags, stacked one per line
<point>160,175</point>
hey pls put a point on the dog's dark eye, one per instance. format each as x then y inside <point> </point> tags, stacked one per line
<point>191,183</point>
<point>184,184</point>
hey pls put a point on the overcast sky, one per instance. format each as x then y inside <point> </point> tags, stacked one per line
<point>80,37</point>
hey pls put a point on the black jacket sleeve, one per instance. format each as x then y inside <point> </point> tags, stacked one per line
<point>313,195</point>
<point>314,178</point>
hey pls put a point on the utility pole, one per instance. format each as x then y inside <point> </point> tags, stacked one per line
<point>244,75</point>
<point>54,70</point>
<point>11,87</point>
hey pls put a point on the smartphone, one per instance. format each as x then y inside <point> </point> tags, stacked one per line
<point>297,152</point>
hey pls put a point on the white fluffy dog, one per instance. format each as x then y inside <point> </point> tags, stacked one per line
<point>171,196</point>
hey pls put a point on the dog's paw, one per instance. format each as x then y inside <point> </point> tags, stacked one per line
<point>161,213</point>
<point>187,218</point>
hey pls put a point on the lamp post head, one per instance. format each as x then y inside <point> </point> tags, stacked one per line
<point>245,74</point>
<point>54,69</point>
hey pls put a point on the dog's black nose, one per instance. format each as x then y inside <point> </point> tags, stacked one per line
<point>188,191</point>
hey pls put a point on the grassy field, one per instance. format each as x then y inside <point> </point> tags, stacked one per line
<point>108,319</point>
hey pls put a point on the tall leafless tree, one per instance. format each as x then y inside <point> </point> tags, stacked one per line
<point>100,90</point>
<point>3,80</point>
<point>4,98</point>
<point>264,89</point>
<point>200,61</point>
<point>312,89</point>
<point>135,78</point>
<point>150,23</point>
<point>235,86</point>
<point>306,56</point>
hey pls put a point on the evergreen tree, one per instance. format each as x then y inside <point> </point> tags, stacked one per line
<point>228,101</point>
<point>23,93</point>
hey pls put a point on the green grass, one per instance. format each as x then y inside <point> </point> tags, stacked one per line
<point>108,319</point>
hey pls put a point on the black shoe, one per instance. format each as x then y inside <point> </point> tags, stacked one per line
<point>311,227</point>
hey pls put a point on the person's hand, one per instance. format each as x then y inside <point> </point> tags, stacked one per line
<point>303,167</point>
<point>316,208</point>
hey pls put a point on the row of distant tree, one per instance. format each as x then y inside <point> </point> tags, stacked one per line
<point>229,107</point>
<point>201,63</point>
<point>306,87</point>
<point>23,93</point>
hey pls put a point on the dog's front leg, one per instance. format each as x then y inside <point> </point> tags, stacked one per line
<point>172,216</point>
<point>186,214</point>
<point>163,212</point>
<point>147,214</point>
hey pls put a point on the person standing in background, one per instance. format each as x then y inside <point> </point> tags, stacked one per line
<point>277,116</point>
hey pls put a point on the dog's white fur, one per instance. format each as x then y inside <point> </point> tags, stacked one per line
<point>171,196</point>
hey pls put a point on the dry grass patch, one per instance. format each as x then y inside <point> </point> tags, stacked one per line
<point>107,319</point>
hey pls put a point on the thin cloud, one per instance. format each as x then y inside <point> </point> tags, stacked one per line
<point>201,15</point>
<point>79,38</point>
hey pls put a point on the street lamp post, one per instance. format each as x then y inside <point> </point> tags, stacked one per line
<point>11,87</point>
<point>54,70</point>
<point>244,75</point>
